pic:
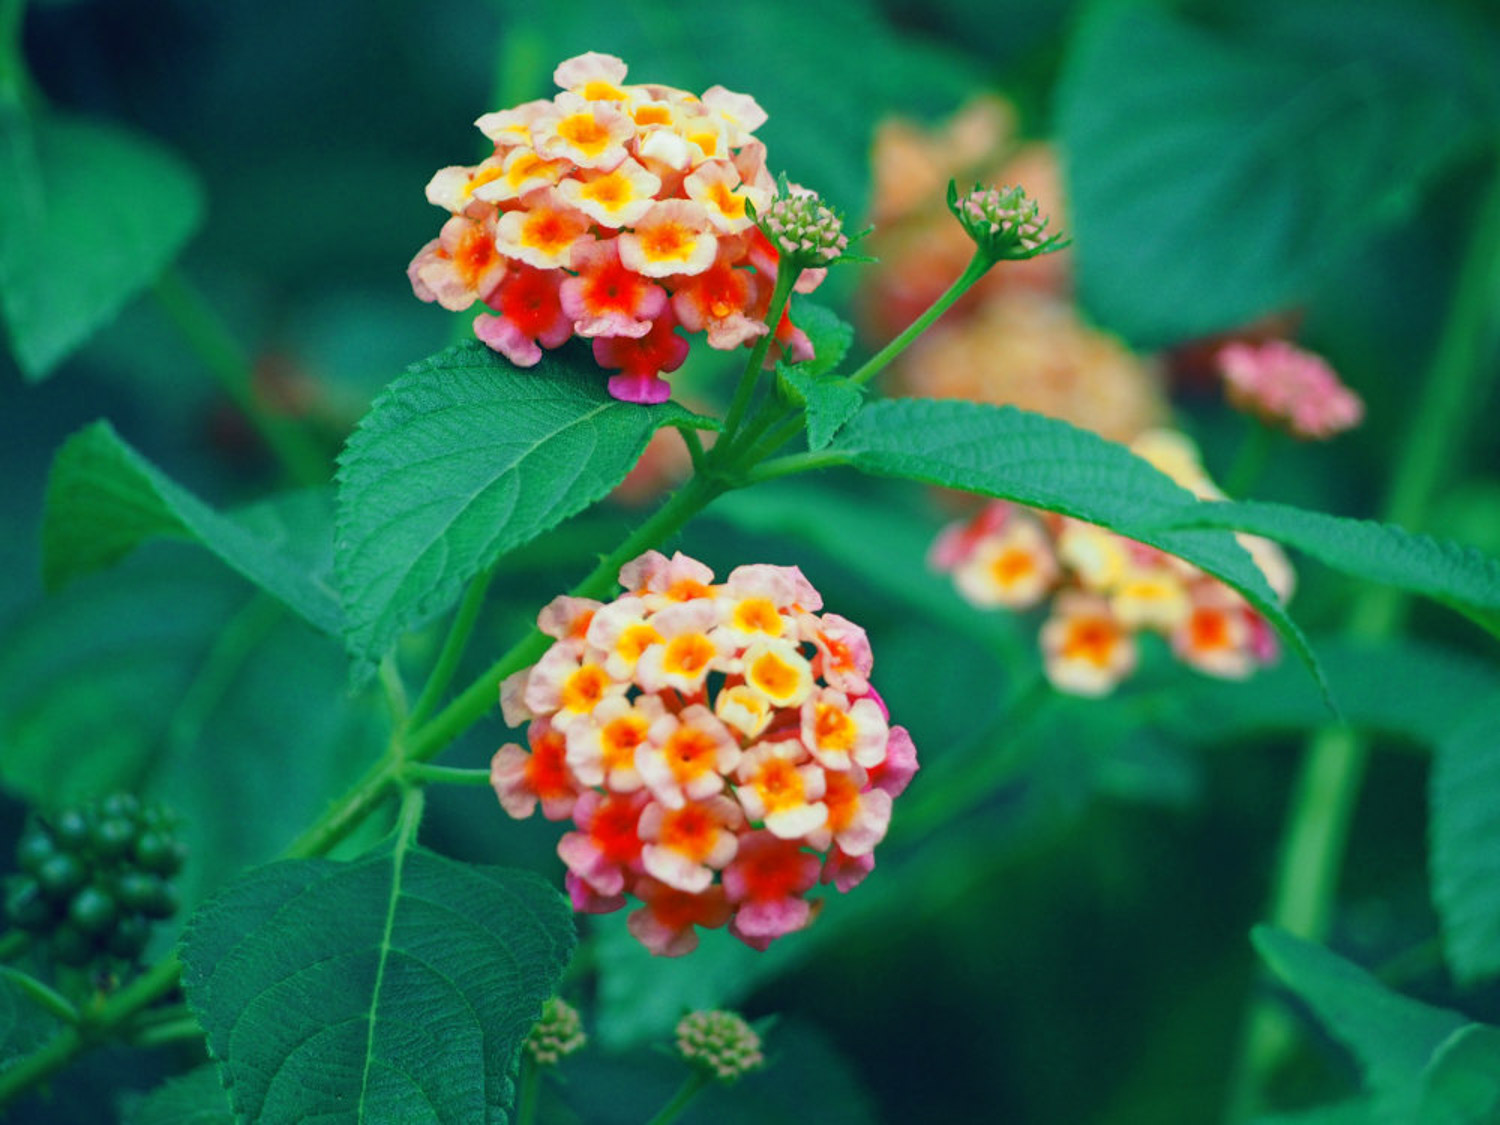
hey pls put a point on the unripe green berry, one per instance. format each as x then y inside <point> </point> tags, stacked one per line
<point>159,853</point>
<point>60,876</point>
<point>113,837</point>
<point>124,806</point>
<point>92,910</point>
<point>35,849</point>
<point>71,830</point>
<point>27,907</point>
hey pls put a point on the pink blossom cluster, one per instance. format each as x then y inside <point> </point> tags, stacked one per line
<point>1103,589</point>
<point>618,214</point>
<point>718,747</point>
<point>1289,387</point>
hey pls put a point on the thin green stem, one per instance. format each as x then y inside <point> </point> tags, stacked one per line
<point>480,697</point>
<point>160,1032</point>
<point>15,82</point>
<point>978,266</point>
<point>210,339</point>
<point>793,463</point>
<point>349,812</point>
<point>530,1093</point>
<point>786,278</point>
<point>1251,458</point>
<point>694,445</point>
<point>424,773</point>
<point>56,1003</point>
<point>1326,792</point>
<point>682,1099</point>
<point>453,648</point>
<point>394,690</point>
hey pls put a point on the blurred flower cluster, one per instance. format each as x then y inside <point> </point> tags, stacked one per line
<point>1105,589</point>
<point>615,213</point>
<point>1288,387</point>
<point>718,747</point>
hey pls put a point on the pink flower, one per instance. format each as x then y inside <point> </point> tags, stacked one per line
<point>1289,387</point>
<point>766,883</point>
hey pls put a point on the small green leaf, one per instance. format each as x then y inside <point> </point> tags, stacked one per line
<point>1461,1085</point>
<point>830,334</point>
<point>1234,166</point>
<point>1461,577</point>
<point>194,1098</point>
<point>1465,852</point>
<point>89,216</point>
<point>1045,463</point>
<point>461,459</point>
<point>104,499</point>
<point>1392,1036</point>
<point>398,987</point>
<point>830,401</point>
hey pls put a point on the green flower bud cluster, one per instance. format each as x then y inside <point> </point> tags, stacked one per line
<point>805,231</point>
<point>1004,224</point>
<point>720,1042</point>
<point>94,879</point>
<point>557,1034</point>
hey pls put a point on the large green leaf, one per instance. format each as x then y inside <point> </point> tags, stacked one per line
<point>461,459</point>
<point>1393,1037</point>
<point>1218,174</point>
<point>1465,852</point>
<point>195,1098</point>
<point>1045,463</point>
<point>104,499</point>
<point>398,987</point>
<point>89,216</point>
<point>1458,576</point>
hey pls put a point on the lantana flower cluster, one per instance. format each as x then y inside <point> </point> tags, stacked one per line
<point>618,214</point>
<point>718,748</point>
<point>1103,589</point>
<point>1289,387</point>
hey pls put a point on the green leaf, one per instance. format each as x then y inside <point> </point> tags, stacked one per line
<point>1465,852</point>
<point>194,1098</point>
<point>1460,577</point>
<point>461,459</point>
<point>104,499</point>
<point>830,401</point>
<point>1461,1085</point>
<point>830,334</point>
<point>89,216</point>
<point>398,987</point>
<point>1045,463</point>
<point>1230,169</point>
<point>1392,1036</point>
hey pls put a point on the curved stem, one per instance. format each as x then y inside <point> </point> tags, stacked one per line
<point>978,266</point>
<point>786,278</point>
<point>209,337</point>
<point>1327,789</point>
<point>424,773</point>
<point>680,1100</point>
<point>453,648</point>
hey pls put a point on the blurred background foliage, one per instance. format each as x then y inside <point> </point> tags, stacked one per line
<point>1071,948</point>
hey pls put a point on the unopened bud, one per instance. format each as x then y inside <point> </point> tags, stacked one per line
<point>805,231</point>
<point>720,1042</point>
<point>1003,222</point>
<point>557,1034</point>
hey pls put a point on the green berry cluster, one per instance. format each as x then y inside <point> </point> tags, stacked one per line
<point>93,879</point>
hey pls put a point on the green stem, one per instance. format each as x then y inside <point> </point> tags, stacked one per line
<point>209,337</point>
<point>56,1003</point>
<point>15,82</point>
<point>481,695</point>
<point>175,1030</point>
<point>786,278</point>
<point>529,1096</point>
<point>453,648</point>
<point>1327,789</point>
<point>1251,458</point>
<point>978,266</point>
<point>424,773</point>
<point>680,1100</point>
